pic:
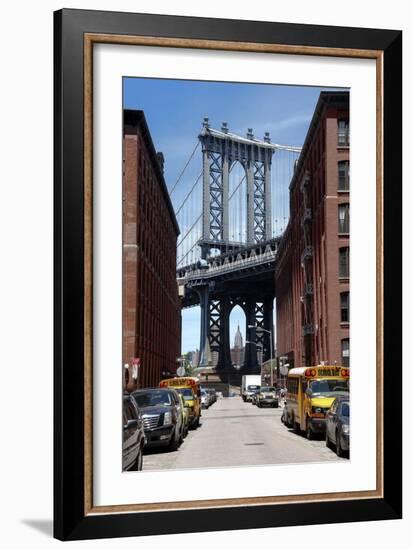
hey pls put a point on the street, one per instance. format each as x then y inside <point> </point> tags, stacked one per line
<point>234,433</point>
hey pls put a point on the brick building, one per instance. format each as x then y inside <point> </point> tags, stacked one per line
<point>312,274</point>
<point>151,307</point>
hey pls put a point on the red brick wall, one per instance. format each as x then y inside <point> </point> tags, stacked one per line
<point>151,307</point>
<point>319,164</point>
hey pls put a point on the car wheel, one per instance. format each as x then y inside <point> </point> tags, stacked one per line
<point>339,451</point>
<point>327,440</point>
<point>276,405</point>
<point>138,464</point>
<point>175,442</point>
<point>309,431</point>
<point>295,425</point>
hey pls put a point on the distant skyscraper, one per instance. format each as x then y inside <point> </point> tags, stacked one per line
<point>238,338</point>
<point>237,353</point>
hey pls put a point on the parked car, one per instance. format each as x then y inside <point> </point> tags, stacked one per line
<point>189,387</point>
<point>133,435</point>
<point>337,431</point>
<point>253,395</point>
<point>212,393</point>
<point>185,414</point>
<point>205,399</point>
<point>267,396</point>
<point>162,417</point>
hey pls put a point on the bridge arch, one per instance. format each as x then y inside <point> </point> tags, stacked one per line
<point>237,324</point>
<point>237,202</point>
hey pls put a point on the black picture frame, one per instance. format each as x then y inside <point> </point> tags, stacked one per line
<point>71,522</point>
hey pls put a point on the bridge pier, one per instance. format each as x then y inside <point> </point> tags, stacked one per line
<point>268,325</point>
<point>203,293</point>
<point>225,359</point>
<point>251,361</point>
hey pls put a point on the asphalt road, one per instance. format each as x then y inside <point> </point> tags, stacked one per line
<point>234,433</point>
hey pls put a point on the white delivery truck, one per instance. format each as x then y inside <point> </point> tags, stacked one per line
<point>250,383</point>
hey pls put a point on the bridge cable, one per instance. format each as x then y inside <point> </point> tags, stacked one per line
<point>188,232</point>
<point>190,192</point>
<point>187,253</point>
<point>186,165</point>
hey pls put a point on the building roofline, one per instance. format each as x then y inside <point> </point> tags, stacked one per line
<point>133,119</point>
<point>339,98</point>
<point>335,99</point>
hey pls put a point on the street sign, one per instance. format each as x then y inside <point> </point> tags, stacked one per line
<point>283,370</point>
<point>181,371</point>
<point>135,367</point>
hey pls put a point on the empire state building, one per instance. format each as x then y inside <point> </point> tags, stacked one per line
<point>237,353</point>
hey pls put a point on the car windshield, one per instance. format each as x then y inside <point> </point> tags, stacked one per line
<point>186,393</point>
<point>267,389</point>
<point>345,409</point>
<point>329,386</point>
<point>253,388</point>
<point>148,399</point>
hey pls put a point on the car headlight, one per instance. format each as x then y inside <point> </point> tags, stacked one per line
<point>345,429</point>
<point>167,419</point>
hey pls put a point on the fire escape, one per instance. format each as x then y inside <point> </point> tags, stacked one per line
<point>308,327</point>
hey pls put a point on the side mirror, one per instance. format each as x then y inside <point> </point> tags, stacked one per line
<point>130,424</point>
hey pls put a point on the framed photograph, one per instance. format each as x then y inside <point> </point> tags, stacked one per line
<point>227,274</point>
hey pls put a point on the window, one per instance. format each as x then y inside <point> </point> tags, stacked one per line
<point>344,307</point>
<point>344,410</point>
<point>343,132</point>
<point>345,352</point>
<point>344,218</point>
<point>343,175</point>
<point>344,262</point>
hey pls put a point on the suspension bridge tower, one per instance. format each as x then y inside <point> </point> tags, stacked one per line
<point>220,150</point>
<point>232,271</point>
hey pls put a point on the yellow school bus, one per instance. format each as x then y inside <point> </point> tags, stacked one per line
<point>310,393</point>
<point>189,388</point>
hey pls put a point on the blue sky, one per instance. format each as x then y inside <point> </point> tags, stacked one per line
<point>174,110</point>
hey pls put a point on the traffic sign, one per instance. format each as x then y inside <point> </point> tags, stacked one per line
<point>181,371</point>
<point>283,369</point>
